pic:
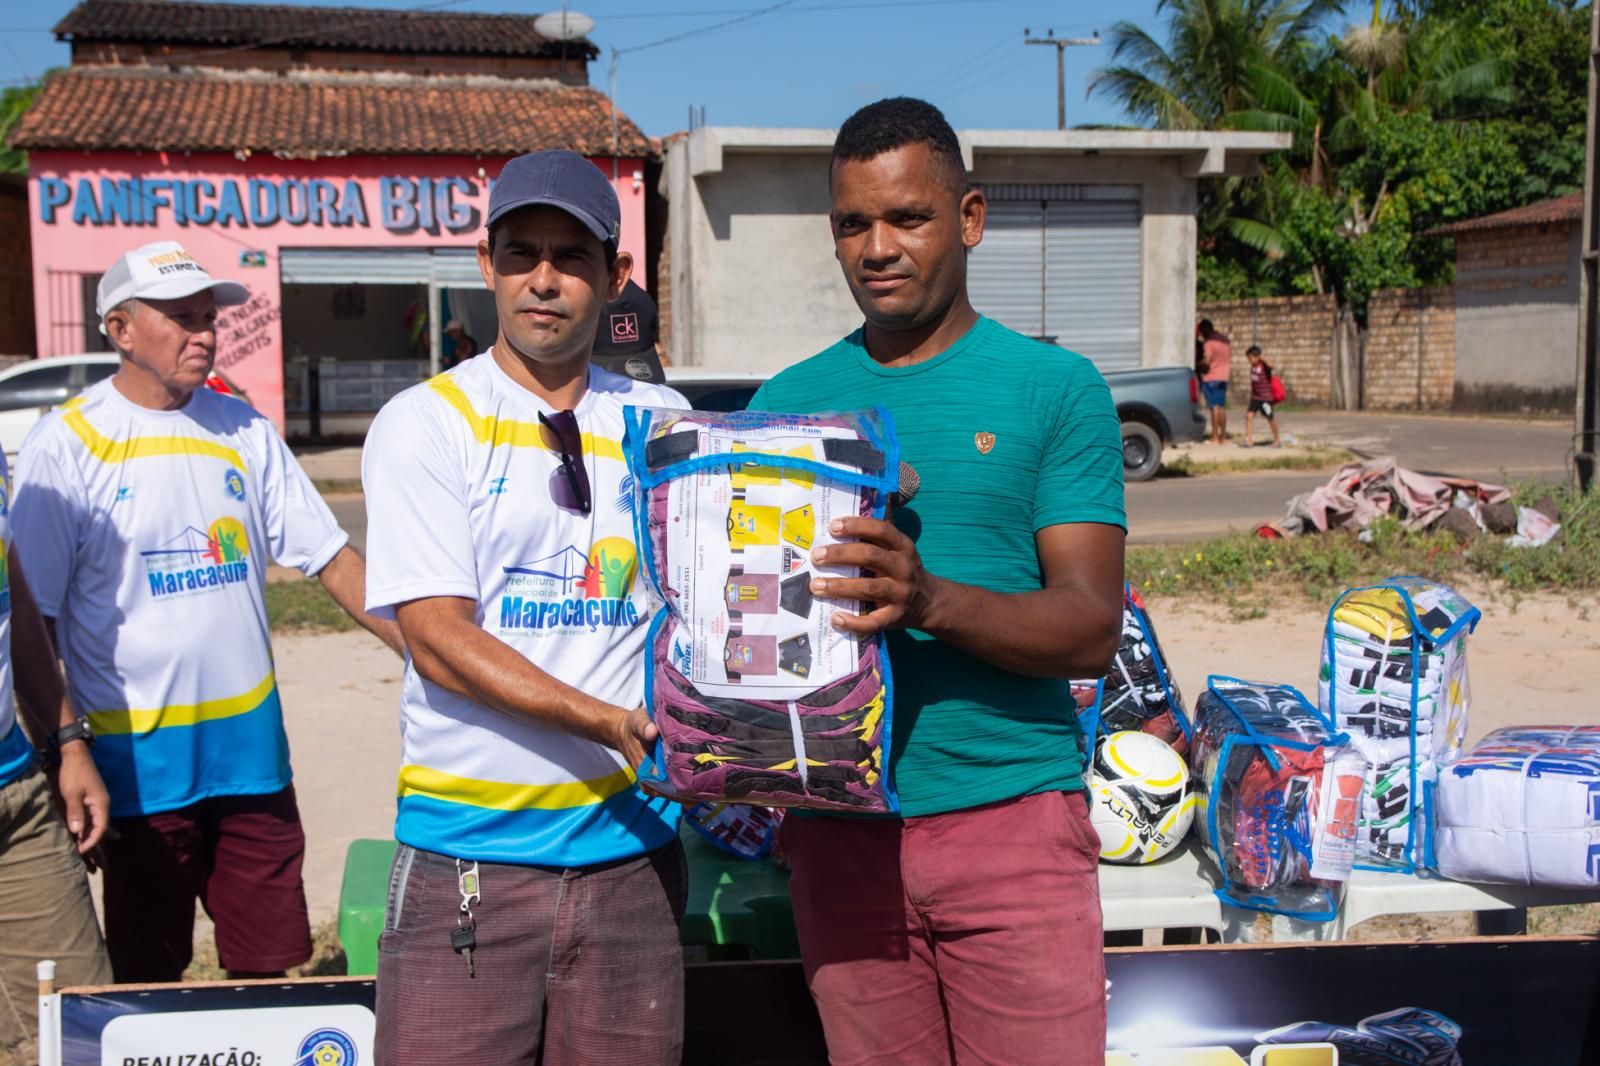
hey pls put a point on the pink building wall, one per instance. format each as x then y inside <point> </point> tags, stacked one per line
<point>86,208</point>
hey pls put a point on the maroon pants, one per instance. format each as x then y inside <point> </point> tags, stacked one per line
<point>574,967</point>
<point>239,855</point>
<point>968,937</point>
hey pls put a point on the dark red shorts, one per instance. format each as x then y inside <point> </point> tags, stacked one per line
<point>240,856</point>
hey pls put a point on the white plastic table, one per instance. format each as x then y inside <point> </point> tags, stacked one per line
<point>1178,893</point>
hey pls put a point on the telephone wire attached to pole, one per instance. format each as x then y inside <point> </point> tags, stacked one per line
<point>1061,45</point>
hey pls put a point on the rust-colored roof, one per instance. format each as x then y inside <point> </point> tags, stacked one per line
<point>229,25</point>
<point>1567,208</point>
<point>311,114</point>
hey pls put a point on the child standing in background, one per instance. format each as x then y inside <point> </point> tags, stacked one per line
<point>1263,397</point>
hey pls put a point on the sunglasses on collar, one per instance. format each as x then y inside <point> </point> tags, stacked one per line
<point>569,486</point>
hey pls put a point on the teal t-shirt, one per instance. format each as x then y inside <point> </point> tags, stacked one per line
<point>1008,436</point>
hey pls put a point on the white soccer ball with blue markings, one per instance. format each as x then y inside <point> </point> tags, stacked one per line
<point>1139,797</point>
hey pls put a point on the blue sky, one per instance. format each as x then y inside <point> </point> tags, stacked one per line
<point>809,64</point>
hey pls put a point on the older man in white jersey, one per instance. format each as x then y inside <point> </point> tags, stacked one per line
<point>147,510</point>
<point>537,893</point>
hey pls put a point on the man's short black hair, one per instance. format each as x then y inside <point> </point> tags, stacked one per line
<point>1254,349</point>
<point>894,123</point>
<point>1206,326</point>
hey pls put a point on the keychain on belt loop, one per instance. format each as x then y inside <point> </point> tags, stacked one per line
<point>464,937</point>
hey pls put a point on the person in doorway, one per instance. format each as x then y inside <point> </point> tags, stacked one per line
<point>50,816</point>
<point>459,344</point>
<point>1218,356</point>
<point>970,925</point>
<point>147,512</point>
<point>1261,397</point>
<point>537,891</point>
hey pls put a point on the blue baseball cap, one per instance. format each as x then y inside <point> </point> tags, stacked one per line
<point>559,179</point>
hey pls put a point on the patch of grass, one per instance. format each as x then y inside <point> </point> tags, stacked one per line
<point>304,605</point>
<point>337,486</point>
<point>1245,571</point>
<point>1187,465</point>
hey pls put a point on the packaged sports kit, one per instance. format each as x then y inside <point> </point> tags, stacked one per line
<point>1138,693</point>
<point>1522,807</point>
<point>757,697</point>
<point>737,828</point>
<point>1394,677</point>
<point>1279,790</point>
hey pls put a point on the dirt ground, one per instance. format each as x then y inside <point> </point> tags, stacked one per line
<point>1532,661</point>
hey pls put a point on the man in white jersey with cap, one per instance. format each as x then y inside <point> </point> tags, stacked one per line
<point>147,510</point>
<point>536,897</point>
<point>45,908</point>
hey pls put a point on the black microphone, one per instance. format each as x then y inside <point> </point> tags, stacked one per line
<point>909,484</point>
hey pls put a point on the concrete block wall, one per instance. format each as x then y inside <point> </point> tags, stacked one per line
<point>1295,334</point>
<point>1410,358</point>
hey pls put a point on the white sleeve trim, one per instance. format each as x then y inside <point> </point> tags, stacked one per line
<point>324,555</point>
<point>387,598</point>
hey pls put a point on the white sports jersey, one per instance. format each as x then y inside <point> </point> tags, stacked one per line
<point>146,535</point>
<point>461,485</point>
<point>16,754</point>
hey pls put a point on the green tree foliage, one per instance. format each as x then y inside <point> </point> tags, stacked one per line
<point>13,102</point>
<point>1429,112</point>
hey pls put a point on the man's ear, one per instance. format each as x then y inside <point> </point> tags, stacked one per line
<point>486,265</point>
<point>621,270</point>
<point>119,329</point>
<point>974,212</point>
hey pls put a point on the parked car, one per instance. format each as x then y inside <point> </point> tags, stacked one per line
<point>1156,405</point>
<point>29,389</point>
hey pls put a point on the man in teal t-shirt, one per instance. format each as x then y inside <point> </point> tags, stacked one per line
<point>972,923</point>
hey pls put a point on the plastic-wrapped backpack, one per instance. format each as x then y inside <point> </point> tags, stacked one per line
<point>1278,788</point>
<point>1522,807</point>
<point>1394,677</point>
<point>1137,693</point>
<point>758,699</point>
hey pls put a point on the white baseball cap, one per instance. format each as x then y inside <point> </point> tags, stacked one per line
<point>161,270</point>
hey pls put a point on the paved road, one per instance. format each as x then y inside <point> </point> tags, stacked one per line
<point>1170,510</point>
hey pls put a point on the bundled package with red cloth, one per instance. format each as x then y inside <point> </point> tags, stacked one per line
<point>1138,693</point>
<point>757,697</point>
<point>1280,792</point>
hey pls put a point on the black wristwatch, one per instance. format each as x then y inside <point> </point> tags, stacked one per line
<point>78,730</point>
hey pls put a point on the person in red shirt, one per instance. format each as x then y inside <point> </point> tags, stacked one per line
<point>1261,397</point>
<point>1218,353</point>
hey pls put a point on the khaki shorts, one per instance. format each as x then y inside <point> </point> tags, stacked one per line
<point>45,911</point>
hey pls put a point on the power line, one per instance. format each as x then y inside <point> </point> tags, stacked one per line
<point>985,81</point>
<point>961,70</point>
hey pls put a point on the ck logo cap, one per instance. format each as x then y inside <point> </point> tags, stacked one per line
<point>161,270</point>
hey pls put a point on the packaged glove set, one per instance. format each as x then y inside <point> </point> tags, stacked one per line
<point>1394,677</point>
<point>1138,693</point>
<point>757,697</point>
<point>1279,790</point>
<point>1522,807</point>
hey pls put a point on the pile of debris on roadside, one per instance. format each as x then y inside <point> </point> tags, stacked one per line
<point>1369,489</point>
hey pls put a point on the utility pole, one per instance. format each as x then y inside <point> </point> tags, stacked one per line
<point>1586,439</point>
<point>1061,45</point>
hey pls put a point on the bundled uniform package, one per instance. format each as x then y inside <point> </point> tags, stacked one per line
<point>1138,693</point>
<point>1279,788</point>
<point>1394,677</point>
<point>758,699</point>
<point>737,828</point>
<point>1522,807</point>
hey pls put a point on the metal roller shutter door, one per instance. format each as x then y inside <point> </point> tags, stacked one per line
<point>349,266</point>
<point>1005,273</point>
<point>1063,261</point>
<point>1091,279</point>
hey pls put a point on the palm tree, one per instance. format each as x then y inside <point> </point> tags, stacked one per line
<point>1201,75</point>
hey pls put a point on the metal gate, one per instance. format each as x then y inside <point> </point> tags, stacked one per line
<point>1062,262</point>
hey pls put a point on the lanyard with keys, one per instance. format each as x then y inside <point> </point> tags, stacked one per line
<point>464,937</point>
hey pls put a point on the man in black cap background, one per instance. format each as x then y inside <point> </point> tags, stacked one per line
<point>626,341</point>
<point>537,892</point>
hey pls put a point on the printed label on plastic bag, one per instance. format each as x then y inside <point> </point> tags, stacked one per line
<point>1333,853</point>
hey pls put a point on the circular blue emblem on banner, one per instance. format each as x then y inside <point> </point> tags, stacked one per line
<point>326,1047</point>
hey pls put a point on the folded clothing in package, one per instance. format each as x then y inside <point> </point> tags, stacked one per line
<point>1138,693</point>
<point>757,697</point>
<point>1394,677</point>
<point>1278,788</point>
<point>737,828</point>
<point>1522,807</point>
